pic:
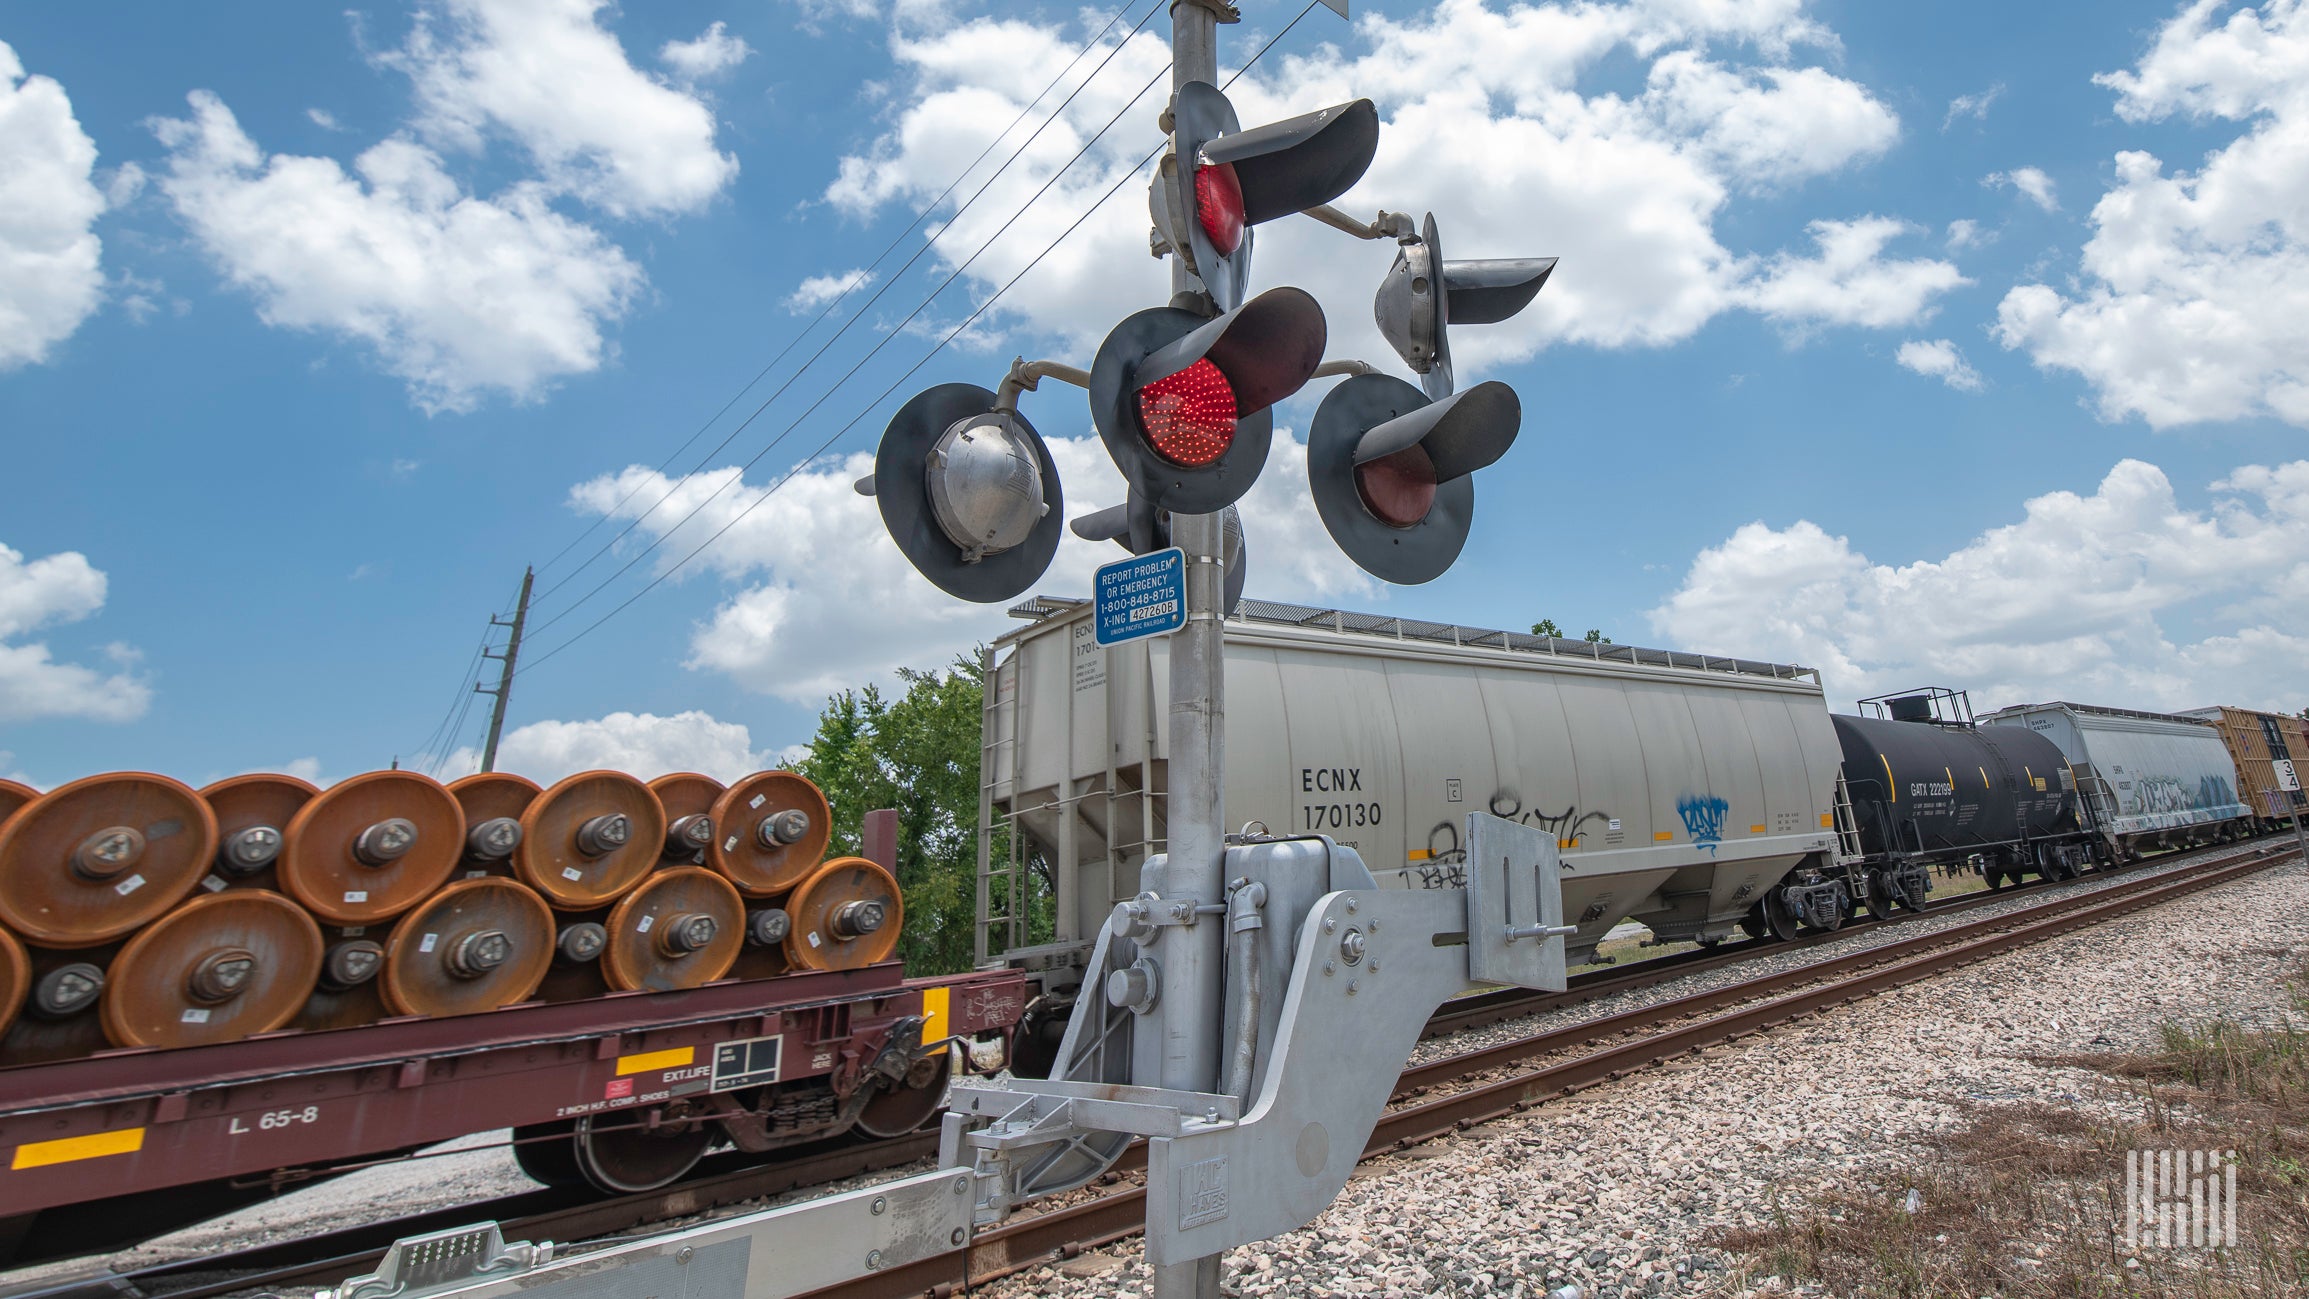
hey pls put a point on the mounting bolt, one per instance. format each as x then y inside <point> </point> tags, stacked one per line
<point>1330,924</point>
<point>873,1259</point>
<point>1329,968</point>
<point>685,1255</point>
<point>1351,946</point>
<point>1351,987</point>
<point>881,1205</point>
<point>1350,904</point>
<point>958,1237</point>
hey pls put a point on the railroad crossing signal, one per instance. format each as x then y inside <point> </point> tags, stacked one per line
<point>1393,472</point>
<point>969,493</point>
<point>1423,295</point>
<point>1182,402</point>
<point>1218,180</point>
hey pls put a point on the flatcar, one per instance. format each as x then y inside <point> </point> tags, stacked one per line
<point>209,996</point>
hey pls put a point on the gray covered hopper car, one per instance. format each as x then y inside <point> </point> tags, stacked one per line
<point>2150,780</point>
<point>1679,786</point>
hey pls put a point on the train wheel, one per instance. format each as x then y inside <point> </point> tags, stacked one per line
<point>770,832</point>
<point>904,1106</point>
<point>688,799</point>
<point>88,862</point>
<point>217,969</point>
<point>493,802</point>
<point>372,847</point>
<point>474,946</point>
<point>1877,895</point>
<point>623,1154</point>
<point>15,979</point>
<point>14,796</point>
<point>1752,924</point>
<point>682,928</point>
<point>1778,917</point>
<point>844,917</point>
<point>252,818</point>
<point>547,1152</point>
<point>589,839</point>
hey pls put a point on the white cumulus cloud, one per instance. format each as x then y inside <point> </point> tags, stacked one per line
<point>712,53</point>
<point>1938,359</point>
<point>2031,183</point>
<point>1849,281</point>
<point>2191,301</point>
<point>1972,106</point>
<point>50,276</point>
<point>547,74</point>
<point>642,744</point>
<point>826,599</point>
<point>818,290</point>
<point>45,592</point>
<point>2123,597</point>
<point>1509,120</point>
<point>458,295</point>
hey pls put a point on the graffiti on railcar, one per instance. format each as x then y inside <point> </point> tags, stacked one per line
<point>1703,817</point>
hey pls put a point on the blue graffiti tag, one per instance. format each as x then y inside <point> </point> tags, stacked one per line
<point>1703,819</point>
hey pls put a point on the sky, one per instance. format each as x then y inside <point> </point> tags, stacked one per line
<point>1960,344</point>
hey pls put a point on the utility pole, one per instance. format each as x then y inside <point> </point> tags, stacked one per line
<point>504,690</point>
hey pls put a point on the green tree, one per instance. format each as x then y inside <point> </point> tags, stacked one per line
<point>1546,627</point>
<point>917,753</point>
<point>1595,637</point>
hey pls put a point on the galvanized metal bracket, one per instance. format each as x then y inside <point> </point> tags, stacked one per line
<point>1515,893</point>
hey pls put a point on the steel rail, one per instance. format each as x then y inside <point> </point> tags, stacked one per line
<point>1063,1232</point>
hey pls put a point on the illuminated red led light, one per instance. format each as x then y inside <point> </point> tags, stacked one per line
<point>1189,417</point>
<point>1398,489</point>
<point>1219,206</point>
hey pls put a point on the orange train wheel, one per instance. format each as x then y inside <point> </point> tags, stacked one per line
<point>682,928</point>
<point>14,796</point>
<point>372,847</point>
<point>770,831</point>
<point>845,916</point>
<point>688,799</point>
<point>90,861</point>
<point>590,838</point>
<point>15,979</point>
<point>217,969</point>
<point>493,803</point>
<point>252,816</point>
<point>474,946</point>
<point>764,955</point>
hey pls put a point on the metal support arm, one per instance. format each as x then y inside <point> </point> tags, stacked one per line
<point>1387,225</point>
<point>1027,376</point>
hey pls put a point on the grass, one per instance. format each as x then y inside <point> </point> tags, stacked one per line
<point>2027,1201</point>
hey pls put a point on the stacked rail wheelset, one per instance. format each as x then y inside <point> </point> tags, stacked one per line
<point>137,912</point>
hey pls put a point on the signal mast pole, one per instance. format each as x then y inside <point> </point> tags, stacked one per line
<point>504,690</point>
<point>1187,1022</point>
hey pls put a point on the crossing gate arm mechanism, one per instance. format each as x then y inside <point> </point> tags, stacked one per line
<point>1368,968</point>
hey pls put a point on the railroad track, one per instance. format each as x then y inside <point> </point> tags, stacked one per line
<point>577,1215</point>
<point>1120,1212</point>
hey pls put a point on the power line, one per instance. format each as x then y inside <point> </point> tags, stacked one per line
<point>465,680</point>
<point>860,364</point>
<point>860,314</point>
<point>940,346</point>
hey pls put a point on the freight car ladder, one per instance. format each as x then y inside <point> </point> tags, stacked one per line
<point>1001,915</point>
<point>1847,824</point>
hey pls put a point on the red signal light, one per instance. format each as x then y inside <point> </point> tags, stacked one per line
<point>1398,489</point>
<point>1189,417</point>
<point>1219,206</point>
